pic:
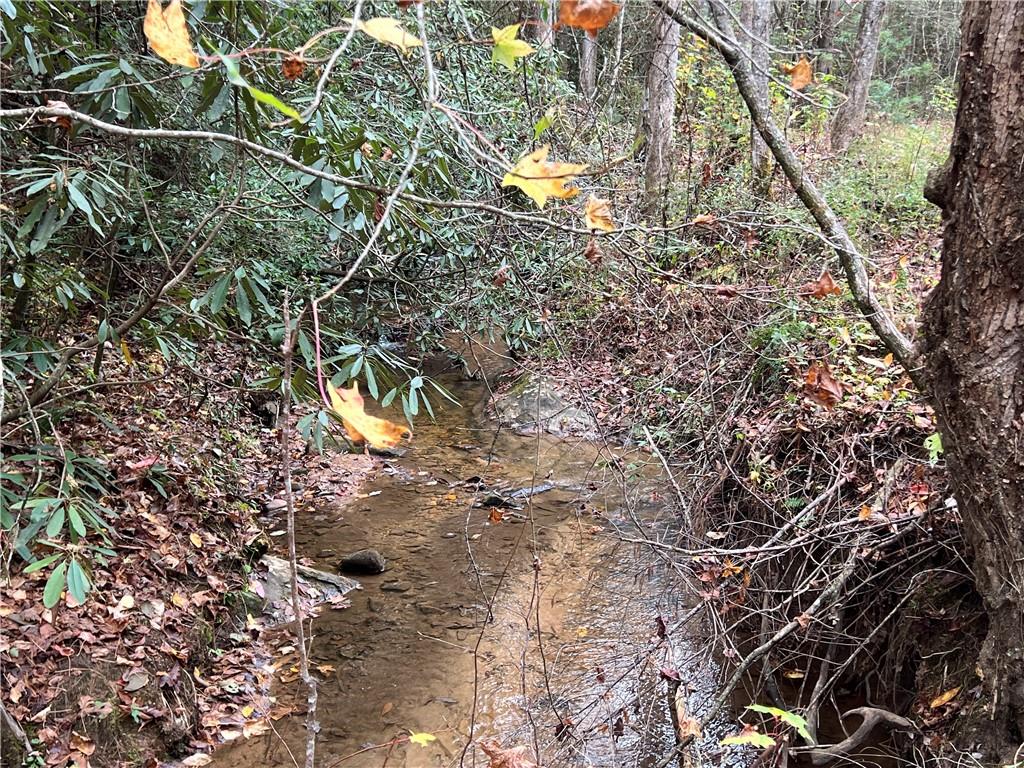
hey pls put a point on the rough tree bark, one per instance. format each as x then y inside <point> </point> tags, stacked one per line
<point>849,119</point>
<point>973,340</point>
<point>757,16</point>
<point>547,13</point>
<point>660,108</point>
<point>588,66</point>
<point>828,11</point>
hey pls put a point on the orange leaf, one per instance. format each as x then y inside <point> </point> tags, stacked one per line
<point>167,34</point>
<point>589,15</point>
<point>598,214</point>
<point>944,698</point>
<point>821,386</point>
<point>540,178</point>
<point>592,253</point>
<point>514,757</point>
<point>822,287</point>
<point>800,74</point>
<point>293,67</point>
<point>361,426</point>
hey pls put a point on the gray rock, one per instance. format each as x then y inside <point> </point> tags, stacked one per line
<point>395,586</point>
<point>363,561</point>
<point>276,505</point>
<point>535,405</point>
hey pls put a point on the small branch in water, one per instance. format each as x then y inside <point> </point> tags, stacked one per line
<point>287,349</point>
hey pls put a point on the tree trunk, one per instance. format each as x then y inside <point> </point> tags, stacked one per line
<point>828,11</point>
<point>588,66</point>
<point>757,16</point>
<point>660,108</point>
<point>973,341</point>
<point>849,119</point>
<point>547,14</point>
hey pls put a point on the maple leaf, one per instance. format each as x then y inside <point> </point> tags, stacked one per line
<point>540,178</point>
<point>513,757</point>
<point>821,386</point>
<point>507,48</point>
<point>800,74</point>
<point>588,15</point>
<point>293,67</point>
<point>598,214</point>
<point>167,34</point>
<point>822,287</point>
<point>361,426</point>
<point>389,31</point>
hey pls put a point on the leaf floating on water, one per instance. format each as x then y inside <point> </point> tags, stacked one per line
<point>167,33</point>
<point>540,178</point>
<point>361,426</point>
<point>513,757</point>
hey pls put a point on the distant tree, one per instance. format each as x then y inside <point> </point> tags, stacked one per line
<point>660,107</point>
<point>849,119</point>
<point>757,15</point>
<point>588,66</point>
<point>828,16</point>
<point>973,341</point>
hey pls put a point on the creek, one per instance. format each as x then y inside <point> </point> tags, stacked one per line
<point>528,625</point>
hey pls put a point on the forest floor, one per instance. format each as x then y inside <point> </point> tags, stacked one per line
<point>169,654</point>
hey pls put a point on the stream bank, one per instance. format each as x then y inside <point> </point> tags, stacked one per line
<point>527,624</point>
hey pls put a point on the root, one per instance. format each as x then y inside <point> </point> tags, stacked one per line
<point>873,717</point>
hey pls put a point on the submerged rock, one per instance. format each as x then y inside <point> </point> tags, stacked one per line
<point>365,561</point>
<point>535,405</point>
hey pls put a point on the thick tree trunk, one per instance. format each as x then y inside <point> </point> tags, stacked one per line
<point>849,119</point>
<point>974,341</point>
<point>757,16</point>
<point>588,66</point>
<point>660,108</point>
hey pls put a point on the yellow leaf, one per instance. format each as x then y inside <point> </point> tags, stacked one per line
<point>598,214</point>
<point>361,426</point>
<point>388,31</point>
<point>541,179</point>
<point>944,698</point>
<point>178,599</point>
<point>126,353</point>
<point>800,74</point>
<point>507,48</point>
<point>196,541</point>
<point>247,710</point>
<point>589,15</point>
<point>167,34</point>
<point>422,738</point>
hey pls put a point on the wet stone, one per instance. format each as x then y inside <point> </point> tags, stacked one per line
<point>363,561</point>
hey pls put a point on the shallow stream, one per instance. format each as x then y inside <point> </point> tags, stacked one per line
<point>538,629</point>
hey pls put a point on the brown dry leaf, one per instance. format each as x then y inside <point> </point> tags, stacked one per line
<point>589,15</point>
<point>704,220</point>
<point>361,426</point>
<point>514,757</point>
<point>822,287</point>
<point>944,698</point>
<point>293,67</point>
<point>540,178</point>
<point>387,708</point>
<point>592,252</point>
<point>821,386</point>
<point>501,276</point>
<point>689,726</point>
<point>167,33</point>
<point>730,569</point>
<point>800,74</point>
<point>598,214</point>
<point>61,120</point>
<point>496,515</point>
<point>803,620</point>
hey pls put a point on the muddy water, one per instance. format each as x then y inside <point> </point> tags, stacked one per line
<point>533,630</point>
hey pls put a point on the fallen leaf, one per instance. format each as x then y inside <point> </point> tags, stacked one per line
<point>588,15</point>
<point>389,31</point>
<point>704,220</point>
<point>821,386</point>
<point>196,540</point>
<point>61,120</point>
<point>540,178</point>
<point>496,515</point>
<point>386,708</point>
<point>598,214</point>
<point>801,74</point>
<point>592,253</point>
<point>513,757</point>
<point>361,426</point>
<point>423,739</point>
<point>198,759</point>
<point>167,33</point>
<point>822,287</point>
<point>944,698</point>
<point>689,726</point>
<point>749,736</point>
<point>293,67</point>
<point>507,48</point>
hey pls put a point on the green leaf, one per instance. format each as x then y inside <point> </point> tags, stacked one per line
<point>389,398</point>
<point>56,522</point>
<point>76,520</point>
<point>54,586</point>
<point>78,582</point>
<point>543,124</point>
<point>219,294</point>
<point>235,77</point>
<point>371,382</point>
<point>507,48</point>
<point>82,203</point>
<point>790,718</point>
<point>8,8</point>
<point>750,739</point>
<point>242,305</point>
<point>38,565</point>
